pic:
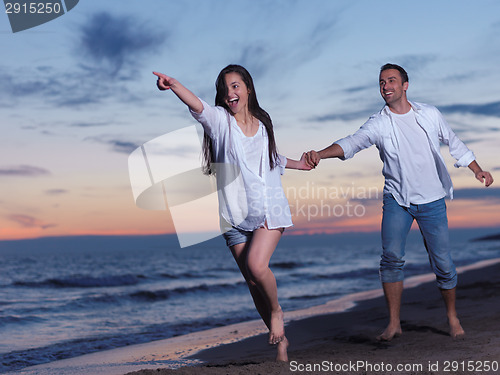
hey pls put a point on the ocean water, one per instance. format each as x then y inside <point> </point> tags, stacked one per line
<point>64,297</point>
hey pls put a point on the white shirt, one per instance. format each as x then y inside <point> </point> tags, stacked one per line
<point>252,147</point>
<point>247,198</point>
<point>381,131</point>
<point>424,185</point>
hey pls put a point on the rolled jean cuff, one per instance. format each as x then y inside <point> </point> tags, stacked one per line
<point>448,283</point>
<point>391,276</point>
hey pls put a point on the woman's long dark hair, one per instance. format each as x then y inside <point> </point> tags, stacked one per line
<point>253,107</point>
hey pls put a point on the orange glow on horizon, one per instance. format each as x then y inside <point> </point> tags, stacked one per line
<point>130,221</point>
<point>12,235</point>
<point>460,222</point>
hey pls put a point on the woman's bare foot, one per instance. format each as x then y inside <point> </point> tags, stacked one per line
<point>282,346</point>
<point>456,330</point>
<point>390,332</point>
<point>277,329</point>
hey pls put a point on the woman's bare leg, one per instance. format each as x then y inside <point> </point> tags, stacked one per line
<point>239,252</point>
<point>262,246</point>
<point>253,260</point>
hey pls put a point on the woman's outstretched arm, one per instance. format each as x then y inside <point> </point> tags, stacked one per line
<point>333,151</point>
<point>191,100</point>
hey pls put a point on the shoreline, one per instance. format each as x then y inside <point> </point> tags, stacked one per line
<point>190,354</point>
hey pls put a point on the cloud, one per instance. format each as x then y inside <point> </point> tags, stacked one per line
<point>114,43</point>
<point>56,191</point>
<point>347,116</point>
<point>414,64</point>
<point>56,88</point>
<point>357,89</point>
<point>257,59</point>
<point>488,109</point>
<point>88,124</point>
<point>27,221</point>
<point>123,146</point>
<point>24,171</point>
<point>23,84</point>
<point>76,89</point>
<point>477,193</point>
<point>322,32</point>
<point>127,147</point>
<point>313,42</point>
<point>108,45</point>
<point>277,54</point>
<point>117,145</point>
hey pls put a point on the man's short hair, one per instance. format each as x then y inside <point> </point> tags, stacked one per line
<point>404,75</point>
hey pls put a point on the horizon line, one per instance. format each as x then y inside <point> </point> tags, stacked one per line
<point>289,233</point>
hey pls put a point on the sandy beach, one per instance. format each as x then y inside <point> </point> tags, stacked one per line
<point>329,339</point>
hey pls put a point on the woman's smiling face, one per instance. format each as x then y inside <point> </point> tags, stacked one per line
<point>237,92</point>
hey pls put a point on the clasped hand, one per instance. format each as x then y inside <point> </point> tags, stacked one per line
<point>312,158</point>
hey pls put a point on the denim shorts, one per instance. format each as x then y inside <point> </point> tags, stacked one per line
<point>235,236</point>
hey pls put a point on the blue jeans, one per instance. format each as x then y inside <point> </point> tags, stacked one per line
<point>433,224</point>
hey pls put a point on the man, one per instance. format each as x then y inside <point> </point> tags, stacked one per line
<point>408,137</point>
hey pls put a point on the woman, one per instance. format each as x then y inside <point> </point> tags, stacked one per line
<point>254,211</point>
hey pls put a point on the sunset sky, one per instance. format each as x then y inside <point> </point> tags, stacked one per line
<point>77,96</point>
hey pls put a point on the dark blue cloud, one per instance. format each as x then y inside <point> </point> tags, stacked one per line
<point>64,89</point>
<point>23,171</point>
<point>113,43</point>
<point>107,46</point>
<point>123,146</point>
<point>16,85</point>
<point>487,109</point>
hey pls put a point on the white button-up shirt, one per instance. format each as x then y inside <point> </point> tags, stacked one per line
<point>381,131</point>
<point>247,200</point>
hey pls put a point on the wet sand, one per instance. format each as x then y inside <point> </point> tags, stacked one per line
<point>336,338</point>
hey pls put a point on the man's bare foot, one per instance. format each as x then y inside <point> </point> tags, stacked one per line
<point>282,355</point>
<point>456,330</point>
<point>390,332</point>
<point>277,330</point>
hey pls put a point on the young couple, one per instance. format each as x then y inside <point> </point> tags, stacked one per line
<point>239,132</point>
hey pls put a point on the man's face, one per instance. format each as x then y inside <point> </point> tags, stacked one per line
<point>392,88</point>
